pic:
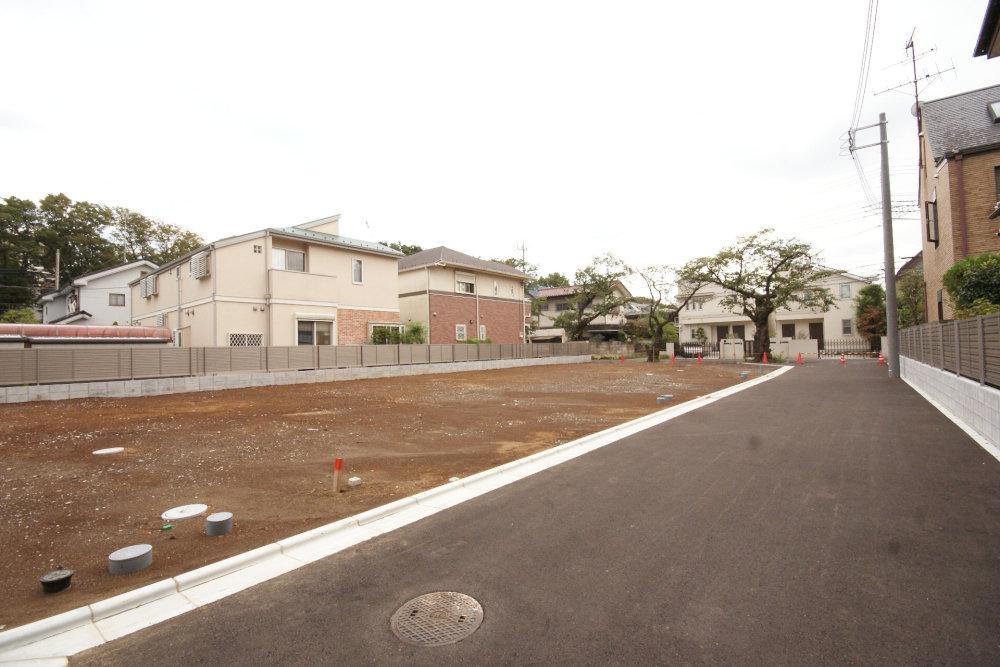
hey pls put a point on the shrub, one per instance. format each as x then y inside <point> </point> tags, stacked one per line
<point>476,341</point>
<point>974,279</point>
<point>19,316</point>
<point>414,333</point>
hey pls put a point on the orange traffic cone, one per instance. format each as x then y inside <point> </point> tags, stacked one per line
<point>673,359</point>
<point>621,359</point>
<point>799,360</point>
<point>881,359</point>
<point>699,358</point>
<point>843,360</point>
<point>763,359</point>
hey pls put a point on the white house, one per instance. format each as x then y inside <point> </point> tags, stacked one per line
<point>101,298</point>
<point>716,323</point>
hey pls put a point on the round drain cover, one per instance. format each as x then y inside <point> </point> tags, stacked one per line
<point>184,512</point>
<point>437,619</point>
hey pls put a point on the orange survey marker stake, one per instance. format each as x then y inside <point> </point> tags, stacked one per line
<point>699,359</point>
<point>843,360</point>
<point>673,359</point>
<point>621,359</point>
<point>337,465</point>
<point>763,358</point>
<point>881,359</point>
<point>799,360</point>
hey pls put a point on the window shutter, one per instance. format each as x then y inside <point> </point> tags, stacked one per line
<point>199,265</point>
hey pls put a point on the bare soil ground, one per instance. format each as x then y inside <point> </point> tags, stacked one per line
<point>265,454</point>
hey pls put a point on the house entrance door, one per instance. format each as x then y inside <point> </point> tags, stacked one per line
<point>816,333</point>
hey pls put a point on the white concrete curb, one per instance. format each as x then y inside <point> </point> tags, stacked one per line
<point>57,637</point>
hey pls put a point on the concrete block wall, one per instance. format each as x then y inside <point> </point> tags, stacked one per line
<point>177,385</point>
<point>978,406</point>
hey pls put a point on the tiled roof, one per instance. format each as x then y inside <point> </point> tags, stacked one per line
<point>961,123</point>
<point>546,292</point>
<point>309,235</point>
<point>433,256</point>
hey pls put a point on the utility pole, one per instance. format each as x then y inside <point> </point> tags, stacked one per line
<point>892,326</point>
<point>524,316</point>
<point>57,268</point>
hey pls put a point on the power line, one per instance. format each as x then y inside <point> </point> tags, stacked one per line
<point>866,61</point>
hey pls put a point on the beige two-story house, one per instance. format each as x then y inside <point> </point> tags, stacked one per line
<point>705,314</point>
<point>300,285</point>
<point>557,300</point>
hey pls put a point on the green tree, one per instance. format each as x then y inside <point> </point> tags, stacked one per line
<point>761,274</point>
<point>21,277</point>
<point>554,279</point>
<point>660,281</point>
<point>76,230</point>
<point>869,311</point>
<point>405,248</point>
<point>19,316</point>
<point>974,283</point>
<point>139,237</point>
<point>910,299</point>
<point>414,333</point>
<point>597,294</point>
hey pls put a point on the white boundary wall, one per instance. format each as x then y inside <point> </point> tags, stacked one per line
<point>975,406</point>
<point>158,386</point>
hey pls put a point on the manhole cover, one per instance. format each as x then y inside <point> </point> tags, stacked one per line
<point>437,619</point>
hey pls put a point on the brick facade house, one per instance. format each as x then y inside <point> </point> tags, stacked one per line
<point>959,186</point>
<point>459,297</point>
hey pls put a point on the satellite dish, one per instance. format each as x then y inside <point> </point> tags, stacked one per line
<point>913,110</point>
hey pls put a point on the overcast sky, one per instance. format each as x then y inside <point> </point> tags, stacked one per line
<point>654,131</point>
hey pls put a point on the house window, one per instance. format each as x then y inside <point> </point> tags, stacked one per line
<point>845,290</point>
<point>788,330</point>
<point>931,210</point>
<point>465,284</point>
<point>482,332</point>
<point>116,299</point>
<point>940,306</point>
<point>357,271</point>
<point>845,327</point>
<point>700,305</point>
<point>562,305</point>
<point>315,332</point>
<point>288,260</point>
<point>258,249</point>
<point>996,181</point>
<point>460,332</point>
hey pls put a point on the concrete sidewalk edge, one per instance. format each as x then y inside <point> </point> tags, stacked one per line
<point>68,633</point>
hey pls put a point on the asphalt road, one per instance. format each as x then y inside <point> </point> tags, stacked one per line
<point>829,516</point>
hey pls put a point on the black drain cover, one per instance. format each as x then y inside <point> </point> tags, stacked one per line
<point>437,619</point>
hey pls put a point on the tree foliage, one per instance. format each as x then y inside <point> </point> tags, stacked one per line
<point>596,295</point>
<point>405,248</point>
<point>88,236</point>
<point>869,311</point>
<point>910,299</point>
<point>554,279</point>
<point>19,316</point>
<point>974,279</point>
<point>660,281</point>
<point>761,274</point>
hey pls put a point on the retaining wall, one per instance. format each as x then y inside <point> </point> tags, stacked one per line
<point>176,385</point>
<point>977,405</point>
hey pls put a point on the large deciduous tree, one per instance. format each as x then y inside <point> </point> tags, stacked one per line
<point>761,274</point>
<point>139,237</point>
<point>598,293</point>
<point>869,311</point>
<point>660,281</point>
<point>20,255</point>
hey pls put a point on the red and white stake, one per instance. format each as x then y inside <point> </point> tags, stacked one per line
<point>337,465</point>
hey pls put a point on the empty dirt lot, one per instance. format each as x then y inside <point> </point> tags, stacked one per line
<point>265,454</point>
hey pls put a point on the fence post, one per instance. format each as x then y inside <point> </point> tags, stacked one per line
<point>958,350</point>
<point>941,337</point>
<point>131,363</point>
<point>981,330</point>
